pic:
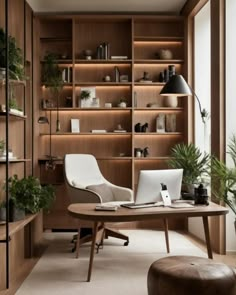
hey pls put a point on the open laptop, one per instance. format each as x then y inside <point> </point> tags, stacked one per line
<point>149,187</point>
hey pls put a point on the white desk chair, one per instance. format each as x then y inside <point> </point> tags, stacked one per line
<point>86,184</point>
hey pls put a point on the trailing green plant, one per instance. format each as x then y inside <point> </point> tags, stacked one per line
<point>15,57</point>
<point>191,160</point>
<point>223,178</point>
<point>28,194</point>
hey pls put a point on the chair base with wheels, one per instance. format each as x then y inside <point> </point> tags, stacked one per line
<point>86,184</point>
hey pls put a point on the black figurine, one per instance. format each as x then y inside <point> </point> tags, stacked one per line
<point>137,127</point>
<point>144,127</point>
<point>145,152</point>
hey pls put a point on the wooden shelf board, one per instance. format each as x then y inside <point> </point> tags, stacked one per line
<point>15,160</point>
<point>16,226</point>
<point>114,158</point>
<point>12,115</point>
<point>12,82</point>
<point>103,84</point>
<point>158,39</point>
<point>43,160</point>
<point>159,109</point>
<point>103,61</point>
<point>152,158</point>
<point>157,134</point>
<point>88,109</point>
<point>90,133</point>
<point>149,84</point>
<point>159,61</point>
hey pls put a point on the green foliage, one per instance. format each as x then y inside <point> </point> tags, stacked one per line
<point>189,158</point>
<point>52,74</point>
<point>29,194</point>
<point>2,145</point>
<point>15,57</point>
<point>223,179</point>
<point>85,94</point>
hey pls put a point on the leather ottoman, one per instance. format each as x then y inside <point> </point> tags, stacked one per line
<point>190,275</point>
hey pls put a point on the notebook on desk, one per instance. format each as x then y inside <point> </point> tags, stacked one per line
<point>149,187</point>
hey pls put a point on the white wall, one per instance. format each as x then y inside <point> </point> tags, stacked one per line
<point>230,102</point>
<point>202,88</point>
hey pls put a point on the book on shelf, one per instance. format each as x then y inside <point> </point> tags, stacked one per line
<point>145,81</point>
<point>119,57</point>
<point>120,131</point>
<point>98,131</point>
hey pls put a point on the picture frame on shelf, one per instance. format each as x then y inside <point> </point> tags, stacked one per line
<point>170,122</point>
<point>75,125</point>
<point>160,123</point>
<point>87,96</point>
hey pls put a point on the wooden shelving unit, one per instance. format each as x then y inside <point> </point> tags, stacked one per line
<point>138,38</point>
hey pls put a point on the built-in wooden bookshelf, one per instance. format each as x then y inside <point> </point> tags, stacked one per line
<point>138,39</point>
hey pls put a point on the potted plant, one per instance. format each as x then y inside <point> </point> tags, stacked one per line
<point>52,79</point>
<point>223,178</point>
<point>28,195</point>
<point>192,161</point>
<point>15,57</point>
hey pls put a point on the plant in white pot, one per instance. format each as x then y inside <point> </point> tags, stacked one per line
<point>193,162</point>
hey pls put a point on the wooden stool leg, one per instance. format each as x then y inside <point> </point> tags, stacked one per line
<point>165,220</point>
<point>92,250</point>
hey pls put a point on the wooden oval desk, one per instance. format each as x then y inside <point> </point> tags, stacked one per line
<point>87,212</point>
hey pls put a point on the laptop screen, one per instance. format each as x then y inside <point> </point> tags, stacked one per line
<point>149,184</point>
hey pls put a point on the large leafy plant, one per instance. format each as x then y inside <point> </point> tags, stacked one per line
<point>15,57</point>
<point>223,178</point>
<point>28,194</point>
<point>191,160</point>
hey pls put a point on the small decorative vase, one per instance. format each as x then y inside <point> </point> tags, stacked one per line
<point>165,54</point>
<point>171,101</point>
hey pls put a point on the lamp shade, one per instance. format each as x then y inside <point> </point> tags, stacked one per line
<point>43,120</point>
<point>176,86</point>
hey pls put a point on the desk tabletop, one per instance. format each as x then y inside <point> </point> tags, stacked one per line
<point>87,212</point>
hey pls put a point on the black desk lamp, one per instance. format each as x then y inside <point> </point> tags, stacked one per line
<point>49,163</point>
<point>177,86</point>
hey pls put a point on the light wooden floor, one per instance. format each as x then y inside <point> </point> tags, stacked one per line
<point>229,259</point>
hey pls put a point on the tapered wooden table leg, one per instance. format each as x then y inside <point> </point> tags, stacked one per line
<point>95,229</point>
<point>207,236</point>
<point>165,220</point>
<point>78,240</point>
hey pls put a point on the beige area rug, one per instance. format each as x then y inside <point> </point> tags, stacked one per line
<point>117,270</point>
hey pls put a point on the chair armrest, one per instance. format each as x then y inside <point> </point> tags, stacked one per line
<point>79,195</point>
<point>121,193</point>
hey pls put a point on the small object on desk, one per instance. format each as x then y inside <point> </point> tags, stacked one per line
<point>106,207</point>
<point>181,205</point>
<point>142,205</point>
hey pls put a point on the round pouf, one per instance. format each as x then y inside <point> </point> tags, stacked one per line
<point>190,275</point>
